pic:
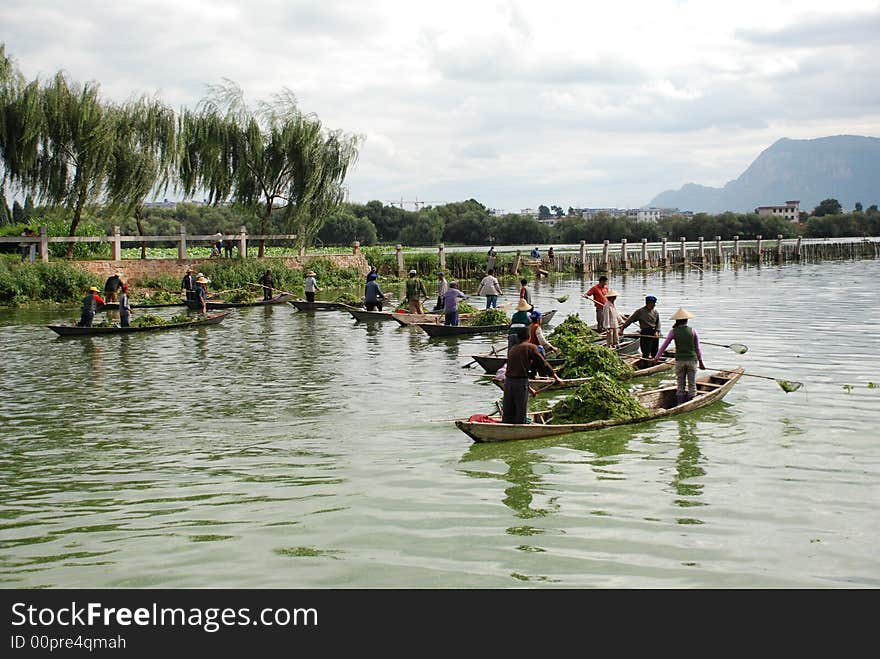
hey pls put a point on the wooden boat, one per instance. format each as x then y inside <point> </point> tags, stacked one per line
<point>406,319</point>
<point>643,368</point>
<point>318,305</point>
<point>492,362</point>
<point>436,329</point>
<point>114,306</point>
<point>73,330</point>
<point>661,403</point>
<point>363,316</point>
<point>217,304</point>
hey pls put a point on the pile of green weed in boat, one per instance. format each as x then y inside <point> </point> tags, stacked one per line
<point>571,332</point>
<point>464,307</point>
<point>490,317</point>
<point>583,357</point>
<point>601,398</point>
<point>587,359</point>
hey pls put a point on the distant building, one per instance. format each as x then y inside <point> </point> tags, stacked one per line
<point>791,211</point>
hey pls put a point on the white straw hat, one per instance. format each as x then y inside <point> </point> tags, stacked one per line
<point>681,314</point>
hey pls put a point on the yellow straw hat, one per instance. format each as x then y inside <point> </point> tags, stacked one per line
<point>681,314</point>
<point>522,305</point>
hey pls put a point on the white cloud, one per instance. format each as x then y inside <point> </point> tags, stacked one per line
<point>511,102</point>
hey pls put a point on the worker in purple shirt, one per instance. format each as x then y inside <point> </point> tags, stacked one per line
<point>687,355</point>
<point>450,304</point>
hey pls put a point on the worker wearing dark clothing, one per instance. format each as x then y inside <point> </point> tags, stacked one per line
<point>111,287</point>
<point>89,307</point>
<point>268,283</point>
<point>188,285</point>
<point>373,295</point>
<point>521,359</point>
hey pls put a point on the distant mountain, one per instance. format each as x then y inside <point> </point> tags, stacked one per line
<point>842,167</point>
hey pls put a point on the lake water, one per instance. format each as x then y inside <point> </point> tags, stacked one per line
<point>287,449</point>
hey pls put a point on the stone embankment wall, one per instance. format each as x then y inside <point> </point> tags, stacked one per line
<point>135,270</point>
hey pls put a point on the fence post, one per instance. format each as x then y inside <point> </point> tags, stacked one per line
<point>798,249</point>
<point>583,257</point>
<point>702,254</point>
<point>644,252</point>
<point>623,256</point>
<point>242,241</point>
<point>736,248</point>
<point>758,247</point>
<point>181,247</point>
<point>663,252</point>
<point>719,251</point>
<point>400,271</point>
<point>605,263</point>
<point>517,261</point>
<point>117,244</point>
<point>441,253</point>
<point>44,244</point>
<point>779,247</point>
<point>356,247</point>
<point>684,251</point>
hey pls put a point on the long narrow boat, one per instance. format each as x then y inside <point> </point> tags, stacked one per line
<point>363,316</point>
<point>73,330</point>
<point>642,368</point>
<point>492,362</point>
<point>660,403</point>
<point>436,329</point>
<point>114,306</point>
<point>217,304</point>
<point>406,319</point>
<point>319,305</point>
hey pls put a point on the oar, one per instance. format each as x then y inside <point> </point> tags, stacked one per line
<point>493,351</point>
<point>738,348</point>
<point>786,385</point>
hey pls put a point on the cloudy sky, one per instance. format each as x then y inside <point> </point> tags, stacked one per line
<point>514,102</point>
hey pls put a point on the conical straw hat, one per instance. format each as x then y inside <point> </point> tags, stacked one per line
<point>681,314</point>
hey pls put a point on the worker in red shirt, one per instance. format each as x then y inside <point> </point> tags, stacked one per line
<point>90,306</point>
<point>597,294</point>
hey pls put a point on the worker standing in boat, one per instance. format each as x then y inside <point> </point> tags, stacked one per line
<point>201,294</point>
<point>373,294</point>
<point>520,319</point>
<point>124,307</point>
<point>649,326</point>
<point>522,359</point>
<point>415,293</point>
<point>611,319</point>
<point>688,355</point>
<point>597,294</point>
<point>490,287</point>
<point>111,288</point>
<point>188,285</point>
<point>89,307</point>
<point>491,259</point>
<point>524,290</point>
<point>311,286</point>
<point>268,282</point>
<point>442,287</point>
<point>450,304</point>
<point>536,334</point>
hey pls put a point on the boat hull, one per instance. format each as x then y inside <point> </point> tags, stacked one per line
<point>660,402</point>
<point>318,305</point>
<point>278,299</point>
<point>73,330</point>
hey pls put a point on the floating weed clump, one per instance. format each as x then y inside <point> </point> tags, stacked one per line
<point>847,388</point>
<point>562,298</point>
<point>788,386</point>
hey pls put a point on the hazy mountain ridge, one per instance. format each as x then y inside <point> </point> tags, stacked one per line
<point>843,167</point>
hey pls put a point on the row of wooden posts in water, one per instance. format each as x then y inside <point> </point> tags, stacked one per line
<point>622,257</point>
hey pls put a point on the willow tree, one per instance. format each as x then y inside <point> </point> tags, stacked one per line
<point>264,158</point>
<point>144,156</point>
<point>21,124</point>
<point>76,147</point>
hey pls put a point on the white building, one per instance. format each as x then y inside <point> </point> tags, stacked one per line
<point>791,211</point>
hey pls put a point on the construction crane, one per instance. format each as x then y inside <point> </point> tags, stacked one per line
<point>418,204</point>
